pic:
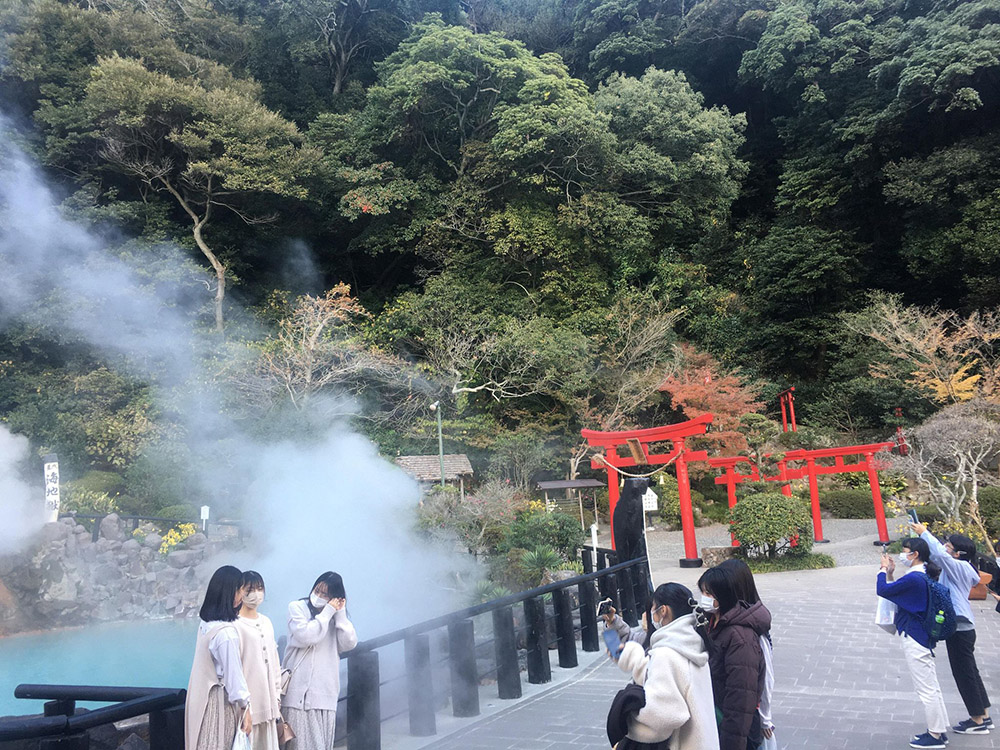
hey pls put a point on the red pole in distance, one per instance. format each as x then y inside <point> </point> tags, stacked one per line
<point>786,488</point>
<point>814,501</point>
<point>731,493</point>
<point>690,559</point>
<point>883,531</point>
<point>784,413</point>
<point>791,407</point>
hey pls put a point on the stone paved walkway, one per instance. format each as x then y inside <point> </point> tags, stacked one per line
<point>841,682</point>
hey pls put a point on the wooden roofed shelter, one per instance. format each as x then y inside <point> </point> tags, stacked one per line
<point>427,469</point>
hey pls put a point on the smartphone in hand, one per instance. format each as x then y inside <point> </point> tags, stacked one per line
<point>613,642</point>
<point>913,516</point>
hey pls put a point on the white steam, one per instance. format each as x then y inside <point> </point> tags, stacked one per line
<point>21,508</point>
<point>325,501</point>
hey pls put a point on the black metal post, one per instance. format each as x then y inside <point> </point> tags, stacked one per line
<point>505,644</point>
<point>539,669</point>
<point>419,687</point>
<point>61,707</point>
<point>566,639</point>
<point>587,558</point>
<point>166,729</point>
<point>464,676</point>
<point>364,728</point>
<point>602,563</point>
<point>628,597</point>
<point>589,634</point>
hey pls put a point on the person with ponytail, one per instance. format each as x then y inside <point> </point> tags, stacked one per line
<point>679,712</point>
<point>957,560</point>
<point>911,596</point>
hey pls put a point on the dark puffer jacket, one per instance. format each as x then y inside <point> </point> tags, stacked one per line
<point>737,667</point>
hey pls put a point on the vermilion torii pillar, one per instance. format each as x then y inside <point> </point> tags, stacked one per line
<point>638,442</point>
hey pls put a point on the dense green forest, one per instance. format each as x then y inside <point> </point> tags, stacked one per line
<point>536,212</point>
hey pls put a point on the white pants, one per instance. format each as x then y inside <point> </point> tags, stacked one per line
<point>925,682</point>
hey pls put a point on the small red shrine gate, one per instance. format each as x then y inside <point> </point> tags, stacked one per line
<point>797,464</point>
<point>638,442</point>
<point>811,469</point>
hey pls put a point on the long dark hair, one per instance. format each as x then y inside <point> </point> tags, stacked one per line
<point>220,595</point>
<point>681,603</point>
<point>746,587</point>
<point>334,587</point>
<point>923,550</point>
<point>723,583</point>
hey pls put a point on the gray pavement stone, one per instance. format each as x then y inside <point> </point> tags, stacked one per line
<point>840,681</point>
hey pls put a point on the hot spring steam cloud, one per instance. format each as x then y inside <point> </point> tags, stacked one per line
<point>328,501</point>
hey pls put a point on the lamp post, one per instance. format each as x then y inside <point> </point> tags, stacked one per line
<point>436,408</point>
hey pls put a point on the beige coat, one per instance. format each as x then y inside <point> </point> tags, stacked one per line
<point>204,677</point>
<point>261,666</point>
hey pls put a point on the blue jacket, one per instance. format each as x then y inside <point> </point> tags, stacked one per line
<point>909,594</point>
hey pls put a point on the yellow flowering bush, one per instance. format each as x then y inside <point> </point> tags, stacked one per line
<point>175,536</point>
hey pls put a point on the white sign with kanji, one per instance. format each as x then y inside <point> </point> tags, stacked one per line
<point>51,470</point>
<point>649,500</point>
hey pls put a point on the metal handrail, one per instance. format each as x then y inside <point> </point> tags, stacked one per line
<point>479,609</point>
<point>132,702</point>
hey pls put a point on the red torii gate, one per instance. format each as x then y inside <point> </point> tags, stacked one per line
<point>638,442</point>
<point>811,470</point>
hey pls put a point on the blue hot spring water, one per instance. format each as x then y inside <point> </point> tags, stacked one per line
<point>153,653</point>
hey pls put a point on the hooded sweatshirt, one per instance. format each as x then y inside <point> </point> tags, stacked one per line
<point>678,687</point>
<point>738,673</point>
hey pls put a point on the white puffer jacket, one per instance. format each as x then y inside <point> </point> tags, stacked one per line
<point>678,687</point>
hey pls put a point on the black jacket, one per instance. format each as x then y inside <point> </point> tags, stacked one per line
<point>737,666</point>
<point>628,701</point>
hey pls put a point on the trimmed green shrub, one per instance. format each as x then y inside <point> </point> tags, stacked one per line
<point>179,512</point>
<point>811,561</point>
<point>848,503</point>
<point>768,524</point>
<point>536,529</point>
<point>669,506</point>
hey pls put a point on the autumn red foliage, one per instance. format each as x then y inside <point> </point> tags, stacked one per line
<point>700,385</point>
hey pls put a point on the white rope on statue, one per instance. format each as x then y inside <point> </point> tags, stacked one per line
<point>603,460</point>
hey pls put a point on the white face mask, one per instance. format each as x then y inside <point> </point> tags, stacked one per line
<point>318,601</point>
<point>904,557</point>
<point>707,603</point>
<point>254,599</point>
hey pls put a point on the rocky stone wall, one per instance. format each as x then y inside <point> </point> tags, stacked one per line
<point>65,578</point>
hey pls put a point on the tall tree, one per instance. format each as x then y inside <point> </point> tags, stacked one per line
<point>206,141</point>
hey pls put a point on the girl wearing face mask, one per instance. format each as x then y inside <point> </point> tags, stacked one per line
<point>218,700</point>
<point>911,596</point>
<point>679,712</point>
<point>746,590</point>
<point>318,633</point>
<point>261,666</point>
<point>737,660</point>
